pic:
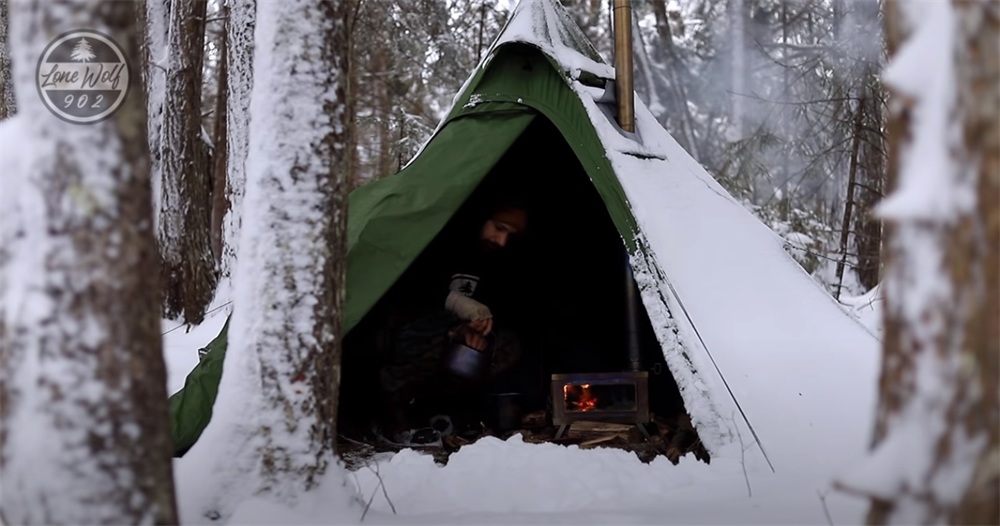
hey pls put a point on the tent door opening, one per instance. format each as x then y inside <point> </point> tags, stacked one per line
<point>563,297</point>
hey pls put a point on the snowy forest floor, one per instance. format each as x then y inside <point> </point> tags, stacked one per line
<point>521,477</point>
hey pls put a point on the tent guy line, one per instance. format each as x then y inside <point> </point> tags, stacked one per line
<point>694,327</point>
<point>224,305</point>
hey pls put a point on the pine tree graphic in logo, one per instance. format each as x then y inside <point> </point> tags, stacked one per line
<point>82,52</point>
<point>467,288</point>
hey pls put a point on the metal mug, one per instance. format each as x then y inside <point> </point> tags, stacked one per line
<point>466,362</point>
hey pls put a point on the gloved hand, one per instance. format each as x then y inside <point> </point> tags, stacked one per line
<point>465,307</point>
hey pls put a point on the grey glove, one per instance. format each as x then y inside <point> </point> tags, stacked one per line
<point>465,307</point>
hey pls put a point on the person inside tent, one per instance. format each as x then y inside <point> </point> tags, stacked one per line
<point>446,337</point>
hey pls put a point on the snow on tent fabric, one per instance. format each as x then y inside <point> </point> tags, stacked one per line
<point>756,348</point>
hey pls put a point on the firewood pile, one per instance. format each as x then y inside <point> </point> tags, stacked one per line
<point>670,437</point>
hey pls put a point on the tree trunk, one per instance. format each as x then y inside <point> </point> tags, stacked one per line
<point>155,31</point>
<point>404,154</point>
<point>871,178</point>
<point>84,415</point>
<point>239,81</point>
<point>942,286</point>
<point>353,72</point>
<point>738,14</point>
<point>852,173</point>
<point>7,102</point>
<point>384,104</point>
<point>185,242</point>
<point>644,78</point>
<point>482,27</point>
<point>220,198</point>
<point>678,91</point>
<point>978,72</point>
<point>283,360</point>
<point>898,124</point>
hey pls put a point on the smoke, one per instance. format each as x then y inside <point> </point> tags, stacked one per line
<point>772,85</point>
<point>771,89</point>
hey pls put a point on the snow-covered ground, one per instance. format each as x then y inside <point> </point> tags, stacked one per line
<point>512,482</point>
<point>867,309</point>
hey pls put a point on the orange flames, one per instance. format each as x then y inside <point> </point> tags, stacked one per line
<point>579,397</point>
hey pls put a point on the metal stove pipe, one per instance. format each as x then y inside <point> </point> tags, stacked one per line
<point>626,120</point>
<point>623,64</point>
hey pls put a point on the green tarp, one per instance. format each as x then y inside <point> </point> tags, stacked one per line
<point>390,221</point>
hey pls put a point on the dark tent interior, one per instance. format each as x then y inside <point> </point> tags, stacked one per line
<point>564,292</point>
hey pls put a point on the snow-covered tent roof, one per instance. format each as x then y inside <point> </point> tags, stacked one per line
<point>745,329</point>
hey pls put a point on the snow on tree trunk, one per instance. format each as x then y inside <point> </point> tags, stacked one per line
<point>82,378</point>
<point>978,74</point>
<point>7,104</point>
<point>935,455</point>
<point>273,428</point>
<point>185,242</point>
<point>239,66</point>
<point>155,30</point>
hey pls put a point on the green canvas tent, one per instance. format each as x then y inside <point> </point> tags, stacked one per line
<point>390,221</point>
<point>736,321</point>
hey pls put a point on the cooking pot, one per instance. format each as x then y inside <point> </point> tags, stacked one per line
<point>507,411</point>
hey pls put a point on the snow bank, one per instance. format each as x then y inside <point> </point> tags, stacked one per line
<point>867,309</point>
<point>494,481</point>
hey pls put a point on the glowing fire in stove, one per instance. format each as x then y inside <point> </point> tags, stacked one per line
<point>579,397</point>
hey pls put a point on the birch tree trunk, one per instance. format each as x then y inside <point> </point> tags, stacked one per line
<point>939,392</point>
<point>82,378</point>
<point>7,101</point>
<point>273,429</point>
<point>185,243</point>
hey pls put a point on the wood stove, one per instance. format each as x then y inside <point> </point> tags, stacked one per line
<point>617,397</point>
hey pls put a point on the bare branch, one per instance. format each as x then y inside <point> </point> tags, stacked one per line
<point>826,511</point>
<point>743,455</point>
